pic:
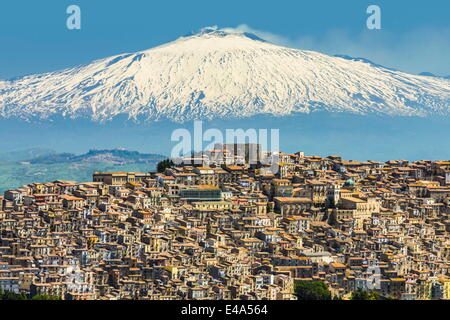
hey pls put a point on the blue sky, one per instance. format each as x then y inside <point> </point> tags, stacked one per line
<point>415,35</point>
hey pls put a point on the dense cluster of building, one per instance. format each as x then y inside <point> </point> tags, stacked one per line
<point>223,229</point>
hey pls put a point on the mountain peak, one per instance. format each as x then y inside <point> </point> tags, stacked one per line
<point>224,32</point>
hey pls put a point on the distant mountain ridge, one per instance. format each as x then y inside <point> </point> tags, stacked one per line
<point>117,156</point>
<point>429,74</point>
<point>68,166</point>
<point>21,155</point>
<point>360,59</point>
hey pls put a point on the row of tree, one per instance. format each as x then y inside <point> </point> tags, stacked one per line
<point>304,290</point>
<point>8,295</point>
<point>164,164</point>
<point>317,290</point>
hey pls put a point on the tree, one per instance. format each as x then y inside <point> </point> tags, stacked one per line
<point>312,290</point>
<point>8,295</point>
<point>360,295</point>
<point>366,295</point>
<point>164,164</point>
<point>45,297</point>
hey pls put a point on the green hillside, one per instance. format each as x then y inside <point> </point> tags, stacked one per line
<point>67,166</point>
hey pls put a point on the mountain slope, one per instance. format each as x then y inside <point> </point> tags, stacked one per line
<point>68,166</point>
<point>218,73</point>
<point>22,155</point>
<point>115,156</point>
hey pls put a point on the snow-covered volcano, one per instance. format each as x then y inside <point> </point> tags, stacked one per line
<point>221,73</point>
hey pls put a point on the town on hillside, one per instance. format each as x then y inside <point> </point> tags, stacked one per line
<point>224,228</point>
